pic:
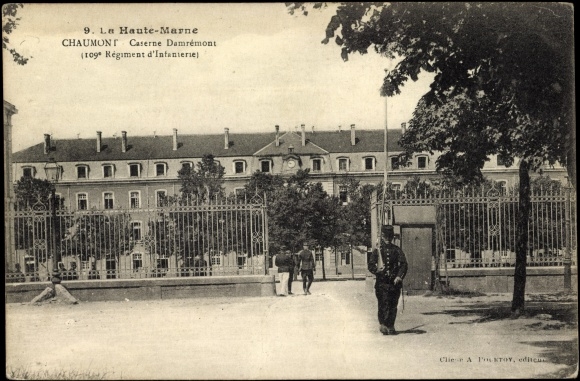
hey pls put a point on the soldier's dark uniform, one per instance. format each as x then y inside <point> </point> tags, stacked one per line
<point>386,291</point>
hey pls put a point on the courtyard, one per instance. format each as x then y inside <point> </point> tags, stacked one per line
<point>331,334</point>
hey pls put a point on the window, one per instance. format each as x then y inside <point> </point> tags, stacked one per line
<point>343,194</point>
<point>82,201</point>
<point>394,163</point>
<point>369,163</point>
<point>343,164</point>
<point>316,165</point>
<point>318,256</point>
<point>136,230</point>
<point>134,199</point>
<point>501,161</point>
<point>82,172</point>
<point>28,171</point>
<point>239,166</point>
<point>345,258</point>
<point>108,200</point>
<point>239,191</point>
<point>422,162</point>
<point>108,171</point>
<point>85,265</point>
<point>161,197</point>
<point>134,170</point>
<point>186,164</point>
<point>160,169</point>
<point>265,166</point>
<point>137,261</point>
<point>216,259</point>
<point>163,262</point>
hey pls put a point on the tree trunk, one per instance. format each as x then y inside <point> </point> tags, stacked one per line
<point>522,240</point>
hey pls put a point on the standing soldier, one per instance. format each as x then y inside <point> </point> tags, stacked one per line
<point>307,266</point>
<point>389,282</point>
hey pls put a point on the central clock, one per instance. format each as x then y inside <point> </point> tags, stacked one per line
<point>291,163</point>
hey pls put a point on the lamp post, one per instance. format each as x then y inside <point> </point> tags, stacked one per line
<point>567,253</point>
<point>52,171</point>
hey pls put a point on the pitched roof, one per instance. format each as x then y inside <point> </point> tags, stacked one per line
<point>291,139</point>
<point>193,146</point>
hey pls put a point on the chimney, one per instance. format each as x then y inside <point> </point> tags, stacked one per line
<point>175,139</point>
<point>339,128</point>
<point>226,138</point>
<point>46,143</point>
<point>352,135</point>
<point>99,141</point>
<point>404,127</point>
<point>303,135</point>
<point>277,135</point>
<point>313,129</point>
<point>123,141</point>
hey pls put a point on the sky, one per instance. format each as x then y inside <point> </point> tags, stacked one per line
<point>267,68</point>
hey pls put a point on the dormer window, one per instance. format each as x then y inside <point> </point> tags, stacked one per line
<point>28,171</point>
<point>501,162</point>
<point>186,164</point>
<point>239,167</point>
<point>369,163</point>
<point>343,164</point>
<point>160,169</point>
<point>108,171</point>
<point>422,162</point>
<point>82,171</point>
<point>394,162</point>
<point>316,165</point>
<point>266,166</point>
<point>135,170</point>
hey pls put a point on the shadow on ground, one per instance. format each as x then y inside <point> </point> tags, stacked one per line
<point>560,314</point>
<point>559,352</point>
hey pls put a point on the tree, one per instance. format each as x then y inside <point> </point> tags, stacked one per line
<point>263,184</point>
<point>504,75</point>
<point>301,211</point>
<point>31,192</point>
<point>204,182</point>
<point>9,23</point>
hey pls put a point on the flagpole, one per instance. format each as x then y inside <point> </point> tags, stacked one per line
<point>385,174</point>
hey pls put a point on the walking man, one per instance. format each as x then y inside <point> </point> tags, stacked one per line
<point>307,266</point>
<point>284,263</point>
<point>390,275</point>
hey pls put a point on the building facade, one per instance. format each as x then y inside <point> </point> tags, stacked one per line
<point>134,172</point>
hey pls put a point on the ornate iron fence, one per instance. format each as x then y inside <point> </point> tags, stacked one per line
<point>476,227</point>
<point>221,237</point>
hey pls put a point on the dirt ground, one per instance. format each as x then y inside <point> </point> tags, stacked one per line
<point>331,334</point>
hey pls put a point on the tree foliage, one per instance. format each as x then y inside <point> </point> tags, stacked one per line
<point>503,84</point>
<point>205,182</point>
<point>9,23</point>
<point>31,192</point>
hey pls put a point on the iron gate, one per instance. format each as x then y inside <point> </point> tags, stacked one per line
<point>183,238</point>
<point>476,227</point>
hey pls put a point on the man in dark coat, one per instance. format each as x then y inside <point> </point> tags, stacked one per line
<point>390,267</point>
<point>307,266</point>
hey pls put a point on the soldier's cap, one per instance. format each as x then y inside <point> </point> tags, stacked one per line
<point>388,229</point>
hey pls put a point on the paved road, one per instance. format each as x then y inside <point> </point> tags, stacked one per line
<point>331,334</point>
